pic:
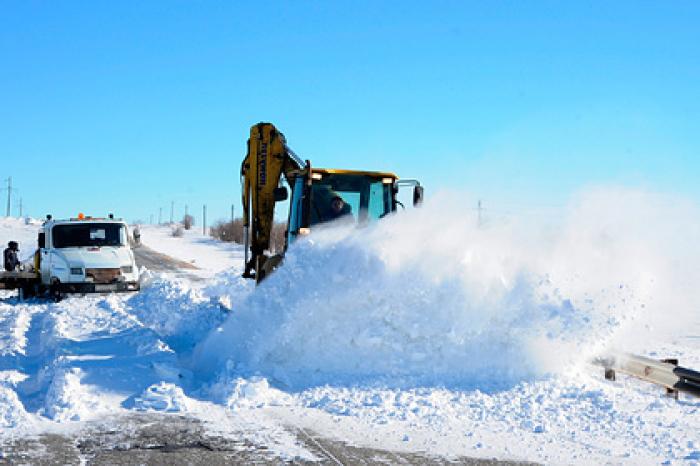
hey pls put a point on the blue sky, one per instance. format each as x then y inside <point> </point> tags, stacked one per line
<point>125,106</point>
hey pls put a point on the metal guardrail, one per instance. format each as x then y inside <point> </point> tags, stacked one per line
<point>666,372</point>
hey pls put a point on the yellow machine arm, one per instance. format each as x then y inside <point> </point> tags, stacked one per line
<point>268,158</point>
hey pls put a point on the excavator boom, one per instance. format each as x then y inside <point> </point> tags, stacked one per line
<point>268,158</point>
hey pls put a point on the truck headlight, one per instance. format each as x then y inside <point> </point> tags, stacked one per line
<point>127,269</point>
<point>76,271</point>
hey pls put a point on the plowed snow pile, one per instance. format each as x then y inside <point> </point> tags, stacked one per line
<point>428,298</point>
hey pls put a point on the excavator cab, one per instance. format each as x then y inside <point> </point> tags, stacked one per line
<point>346,196</point>
<point>318,196</point>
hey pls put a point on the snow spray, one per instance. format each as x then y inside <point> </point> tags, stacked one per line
<point>432,297</point>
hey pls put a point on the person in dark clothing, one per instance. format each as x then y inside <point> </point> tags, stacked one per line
<point>338,208</point>
<point>10,256</point>
<point>328,205</point>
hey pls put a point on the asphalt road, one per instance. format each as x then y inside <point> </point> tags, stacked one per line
<point>162,439</point>
<point>158,262</point>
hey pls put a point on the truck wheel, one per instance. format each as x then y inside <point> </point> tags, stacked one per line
<point>55,293</point>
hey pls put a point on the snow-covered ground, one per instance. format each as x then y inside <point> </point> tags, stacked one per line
<point>423,333</point>
<point>204,252</point>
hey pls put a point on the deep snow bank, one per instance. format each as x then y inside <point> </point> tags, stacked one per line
<point>430,298</point>
<point>180,314</point>
<point>87,355</point>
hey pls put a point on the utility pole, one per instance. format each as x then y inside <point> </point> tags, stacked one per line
<point>160,215</point>
<point>9,193</point>
<point>185,210</point>
<point>20,207</point>
<point>204,220</point>
<point>172,210</point>
<point>232,213</point>
<point>479,209</point>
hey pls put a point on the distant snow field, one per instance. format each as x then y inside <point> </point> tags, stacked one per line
<point>204,252</point>
<point>425,332</point>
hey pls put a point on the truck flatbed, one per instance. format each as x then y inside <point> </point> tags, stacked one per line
<point>14,280</point>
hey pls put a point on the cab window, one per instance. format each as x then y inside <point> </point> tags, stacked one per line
<point>88,234</point>
<point>359,198</point>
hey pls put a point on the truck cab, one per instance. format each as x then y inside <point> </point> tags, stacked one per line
<point>86,255</point>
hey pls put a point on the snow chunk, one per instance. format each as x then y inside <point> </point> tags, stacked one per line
<point>254,393</point>
<point>163,397</point>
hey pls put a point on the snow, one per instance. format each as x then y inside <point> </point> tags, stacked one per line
<point>204,252</point>
<point>85,358</point>
<point>423,333</point>
<point>163,397</point>
<point>12,413</point>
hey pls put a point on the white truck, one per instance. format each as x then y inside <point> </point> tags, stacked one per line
<point>78,255</point>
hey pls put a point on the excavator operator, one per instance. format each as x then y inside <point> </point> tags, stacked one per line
<point>339,208</point>
<point>328,205</point>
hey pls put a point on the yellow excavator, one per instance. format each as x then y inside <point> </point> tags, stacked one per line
<point>318,195</point>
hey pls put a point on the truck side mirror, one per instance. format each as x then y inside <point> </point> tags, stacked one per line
<point>280,194</point>
<point>42,240</point>
<point>417,195</point>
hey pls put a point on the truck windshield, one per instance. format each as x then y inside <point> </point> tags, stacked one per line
<point>88,234</point>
